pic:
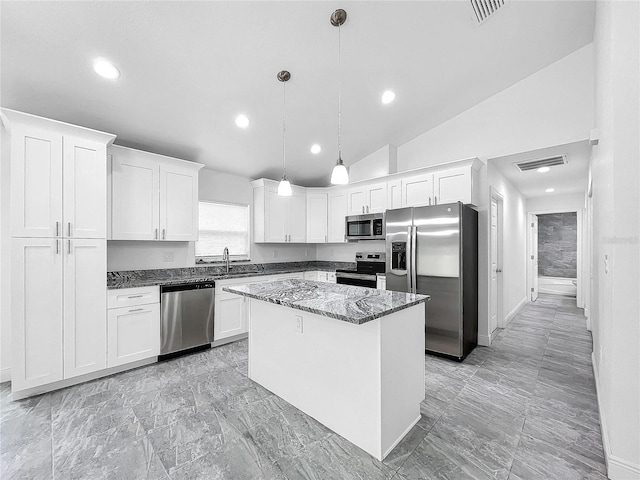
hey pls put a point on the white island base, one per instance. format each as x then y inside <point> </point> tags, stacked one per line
<point>364,382</point>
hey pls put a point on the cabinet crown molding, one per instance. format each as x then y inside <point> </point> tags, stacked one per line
<point>157,157</point>
<point>14,118</point>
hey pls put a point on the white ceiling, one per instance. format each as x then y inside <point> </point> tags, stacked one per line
<point>569,178</point>
<point>189,67</point>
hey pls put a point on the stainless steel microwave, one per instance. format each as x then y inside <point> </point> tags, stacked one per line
<point>365,227</point>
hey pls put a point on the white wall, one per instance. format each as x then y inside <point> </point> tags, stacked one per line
<point>346,252</point>
<point>551,107</point>
<point>616,176</point>
<point>142,255</point>
<point>556,203</point>
<point>514,241</point>
<point>378,164</point>
<point>5,258</point>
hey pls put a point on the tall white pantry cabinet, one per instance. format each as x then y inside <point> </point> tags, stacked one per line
<point>58,250</point>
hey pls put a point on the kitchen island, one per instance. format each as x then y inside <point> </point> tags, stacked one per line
<point>350,357</point>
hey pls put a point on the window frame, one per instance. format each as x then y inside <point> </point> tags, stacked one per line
<point>200,259</point>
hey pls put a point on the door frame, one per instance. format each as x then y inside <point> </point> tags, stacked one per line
<point>530,273</point>
<point>499,199</point>
<point>579,249</point>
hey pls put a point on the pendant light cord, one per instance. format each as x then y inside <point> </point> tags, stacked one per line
<point>284,128</point>
<point>339,95</point>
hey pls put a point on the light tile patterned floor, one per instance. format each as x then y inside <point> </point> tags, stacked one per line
<point>523,409</point>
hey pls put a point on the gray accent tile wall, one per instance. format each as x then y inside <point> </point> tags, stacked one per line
<point>557,245</point>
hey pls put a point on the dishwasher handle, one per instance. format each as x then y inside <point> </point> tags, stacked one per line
<point>186,286</point>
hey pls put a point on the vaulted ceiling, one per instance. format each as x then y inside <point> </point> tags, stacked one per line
<point>188,68</point>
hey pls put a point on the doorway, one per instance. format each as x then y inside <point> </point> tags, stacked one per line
<point>496,316</point>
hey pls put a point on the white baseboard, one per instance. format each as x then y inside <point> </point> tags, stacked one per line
<point>515,311</point>
<point>617,468</point>
<point>5,374</point>
<point>484,340</point>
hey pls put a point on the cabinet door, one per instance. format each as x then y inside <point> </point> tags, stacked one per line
<point>313,276</point>
<point>337,213</point>
<point>417,191</point>
<point>36,312</point>
<point>85,306</point>
<point>331,277</point>
<point>133,334</point>
<point>357,200</point>
<point>36,183</point>
<point>394,194</point>
<point>178,203</point>
<point>297,221</point>
<point>376,198</point>
<point>135,207</point>
<point>84,189</point>
<point>276,217</point>
<point>452,185</point>
<point>230,316</point>
<point>317,218</point>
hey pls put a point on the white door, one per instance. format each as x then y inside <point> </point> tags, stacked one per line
<point>417,191</point>
<point>394,194</point>
<point>276,217</point>
<point>376,198</point>
<point>133,333</point>
<point>36,171</point>
<point>533,257</point>
<point>85,306</point>
<point>297,221</point>
<point>317,218</point>
<point>36,312</point>
<point>493,314</point>
<point>336,217</point>
<point>451,186</point>
<point>178,204</point>
<point>230,315</point>
<point>85,189</point>
<point>135,207</point>
<point>357,200</point>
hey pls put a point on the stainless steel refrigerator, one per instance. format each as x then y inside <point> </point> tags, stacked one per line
<point>434,251</point>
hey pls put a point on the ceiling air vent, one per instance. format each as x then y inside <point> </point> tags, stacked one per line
<point>483,9</point>
<point>542,162</point>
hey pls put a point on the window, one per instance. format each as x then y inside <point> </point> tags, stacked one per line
<point>223,225</point>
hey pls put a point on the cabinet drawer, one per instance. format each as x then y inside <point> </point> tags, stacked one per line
<point>127,297</point>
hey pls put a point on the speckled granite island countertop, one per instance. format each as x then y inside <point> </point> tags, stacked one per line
<point>343,302</point>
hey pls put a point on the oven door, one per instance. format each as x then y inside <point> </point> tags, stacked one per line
<point>356,279</point>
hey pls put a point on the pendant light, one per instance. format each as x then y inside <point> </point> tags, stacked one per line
<point>284,187</point>
<point>339,175</point>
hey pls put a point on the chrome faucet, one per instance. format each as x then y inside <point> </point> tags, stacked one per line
<point>225,257</point>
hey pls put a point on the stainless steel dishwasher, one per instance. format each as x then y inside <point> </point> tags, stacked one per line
<point>187,318</point>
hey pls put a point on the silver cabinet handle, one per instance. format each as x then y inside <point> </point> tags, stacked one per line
<point>57,246</point>
<point>69,247</point>
<point>429,200</point>
<point>367,208</point>
<point>135,296</point>
<point>136,310</point>
<point>285,237</point>
<point>155,234</point>
<point>68,229</point>
<point>57,229</point>
<point>164,234</point>
<point>435,200</point>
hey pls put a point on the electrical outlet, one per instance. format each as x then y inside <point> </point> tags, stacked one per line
<point>306,252</point>
<point>275,253</point>
<point>168,257</point>
<point>299,323</point>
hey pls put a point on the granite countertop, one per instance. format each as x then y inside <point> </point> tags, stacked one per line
<point>173,276</point>
<point>343,302</point>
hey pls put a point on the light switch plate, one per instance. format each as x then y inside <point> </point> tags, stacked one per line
<point>168,257</point>
<point>299,323</point>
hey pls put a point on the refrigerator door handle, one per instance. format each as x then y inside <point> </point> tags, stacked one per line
<point>414,261</point>
<point>409,260</point>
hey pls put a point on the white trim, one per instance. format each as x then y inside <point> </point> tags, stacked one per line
<point>494,194</point>
<point>484,340</point>
<point>515,310</point>
<point>5,375</point>
<point>617,468</point>
<point>401,437</point>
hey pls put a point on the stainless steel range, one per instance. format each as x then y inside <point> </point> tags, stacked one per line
<point>368,265</point>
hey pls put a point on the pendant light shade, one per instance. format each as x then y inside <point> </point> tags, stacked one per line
<point>284,187</point>
<point>340,174</point>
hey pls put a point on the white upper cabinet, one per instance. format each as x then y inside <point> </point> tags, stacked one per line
<point>417,191</point>
<point>85,188</point>
<point>152,197</point>
<point>452,185</point>
<point>337,211</point>
<point>317,217</point>
<point>394,194</point>
<point>443,185</point>
<point>278,219</point>
<point>367,199</point>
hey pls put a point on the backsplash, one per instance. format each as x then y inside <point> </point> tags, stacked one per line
<point>557,245</point>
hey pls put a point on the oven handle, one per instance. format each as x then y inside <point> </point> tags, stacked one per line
<point>357,276</point>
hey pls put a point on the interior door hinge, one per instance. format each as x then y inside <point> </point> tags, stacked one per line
<point>532,257</point>
<point>531,289</point>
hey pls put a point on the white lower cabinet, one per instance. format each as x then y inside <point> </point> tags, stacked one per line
<point>58,309</point>
<point>381,283</point>
<point>314,276</point>
<point>133,325</point>
<point>134,333</point>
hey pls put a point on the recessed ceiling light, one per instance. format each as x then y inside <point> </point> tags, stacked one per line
<point>543,169</point>
<point>242,121</point>
<point>550,190</point>
<point>388,96</point>
<point>105,68</point>
<point>315,148</point>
